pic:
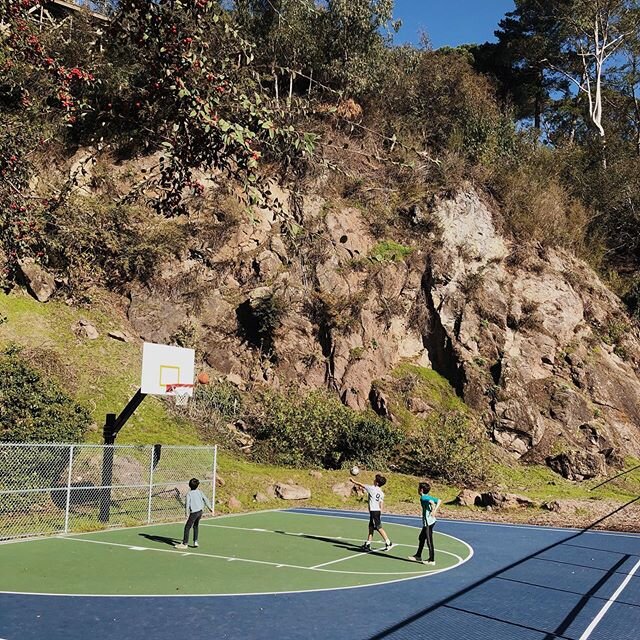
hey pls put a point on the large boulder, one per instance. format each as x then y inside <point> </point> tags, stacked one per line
<point>291,491</point>
<point>578,465</point>
<point>40,283</point>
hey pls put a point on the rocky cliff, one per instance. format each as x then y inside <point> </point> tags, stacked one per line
<point>527,336</point>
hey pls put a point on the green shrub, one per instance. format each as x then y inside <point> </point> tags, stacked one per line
<point>316,429</point>
<point>98,241</point>
<point>390,251</point>
<point>221,398</point>
<point>33,409</point>
<point>452,448</point>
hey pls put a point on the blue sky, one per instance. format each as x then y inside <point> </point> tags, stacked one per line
<point>449,22</point>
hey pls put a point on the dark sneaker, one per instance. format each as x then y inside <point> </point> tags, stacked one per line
<point>365,547</point>
<point>388,546</point>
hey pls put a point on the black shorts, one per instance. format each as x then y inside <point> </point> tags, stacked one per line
<point>374,519</point>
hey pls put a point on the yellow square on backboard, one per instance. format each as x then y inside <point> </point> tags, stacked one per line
<point>169,374</point>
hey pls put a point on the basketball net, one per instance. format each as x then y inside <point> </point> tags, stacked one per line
<point>180,392</point>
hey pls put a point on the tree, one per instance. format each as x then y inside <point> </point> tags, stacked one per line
<point>193,86</point>
<point>575,42</point>
<point>596,30</point>
<point>286,35</point>
<point>529,42</point>
<point>355,42</point>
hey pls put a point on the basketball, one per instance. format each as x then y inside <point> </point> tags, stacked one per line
<point>203,377</point>
<point>355,470</point>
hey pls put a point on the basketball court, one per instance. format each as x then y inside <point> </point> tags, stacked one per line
<point>299,574</point>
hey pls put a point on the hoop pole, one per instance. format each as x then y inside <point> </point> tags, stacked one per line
<point>152,457</point>
<point>66,509</point>
<point>215,471</point>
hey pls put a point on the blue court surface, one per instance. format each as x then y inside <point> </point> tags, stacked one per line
<point>519,582</point>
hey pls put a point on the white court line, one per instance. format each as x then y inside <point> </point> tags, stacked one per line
<point>230,559</point>
<point>206,518</point>
<point>609,602</point>
<point>356,555</point>
<point>324,564</point>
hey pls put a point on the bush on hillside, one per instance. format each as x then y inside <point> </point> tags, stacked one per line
<point>536,202</point>
<point>318,430</point>
<point>452,448</point>
<point>96,241</point>
<point>438,102</point>
<point>33,409</point>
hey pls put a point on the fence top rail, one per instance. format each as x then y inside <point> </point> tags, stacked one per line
<point>31,445</point>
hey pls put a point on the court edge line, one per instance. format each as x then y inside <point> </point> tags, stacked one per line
<point>610,601</point>
<point>333,512</point>
<point>291,533</point>
<point>536,527</point>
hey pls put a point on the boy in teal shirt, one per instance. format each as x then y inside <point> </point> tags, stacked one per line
<point>429,506</point>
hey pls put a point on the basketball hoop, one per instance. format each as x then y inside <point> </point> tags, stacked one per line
<point>181,392</point>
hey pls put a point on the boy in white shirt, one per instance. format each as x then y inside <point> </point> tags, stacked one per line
<point>376,499</point>
<point>194,507</point>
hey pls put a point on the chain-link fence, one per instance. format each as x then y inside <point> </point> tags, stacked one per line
<point>53,488</point>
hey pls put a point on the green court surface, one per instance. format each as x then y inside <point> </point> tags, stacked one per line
<point>260,552</point>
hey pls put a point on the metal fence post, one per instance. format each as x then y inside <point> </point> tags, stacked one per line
<point>66,510</point>
<point>215,471</point>
<point>151,461</point>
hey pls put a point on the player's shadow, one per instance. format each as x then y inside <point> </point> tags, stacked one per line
<point>163,539</point>
<point>340,544</point>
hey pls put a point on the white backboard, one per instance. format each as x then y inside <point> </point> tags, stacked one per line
<point>164,365</point>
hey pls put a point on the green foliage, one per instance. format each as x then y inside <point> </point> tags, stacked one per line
<point>192,83</point>
<point>40,99</point>
<point>316,429</point>
<point>439,102</point>
<point>390,251</point>
<point>452,448</point>
<point>221,398</point>
<point>34,409</point>
<point>258,321</point>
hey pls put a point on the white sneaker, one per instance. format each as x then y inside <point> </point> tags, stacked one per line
<point>181,546</point>
<point>431,562</point>
<point>195,544</point>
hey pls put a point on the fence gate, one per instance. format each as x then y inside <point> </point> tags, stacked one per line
<point>56,488</point>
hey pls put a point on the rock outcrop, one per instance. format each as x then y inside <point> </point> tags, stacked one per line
<point>39,282</point>
<point>527,336</point>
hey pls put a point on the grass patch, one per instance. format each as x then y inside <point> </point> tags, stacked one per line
<point>390,251</point>
<point>243,479</point>
<point>413,381</point>
<point>101,374</point>
<point>543,485</point>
